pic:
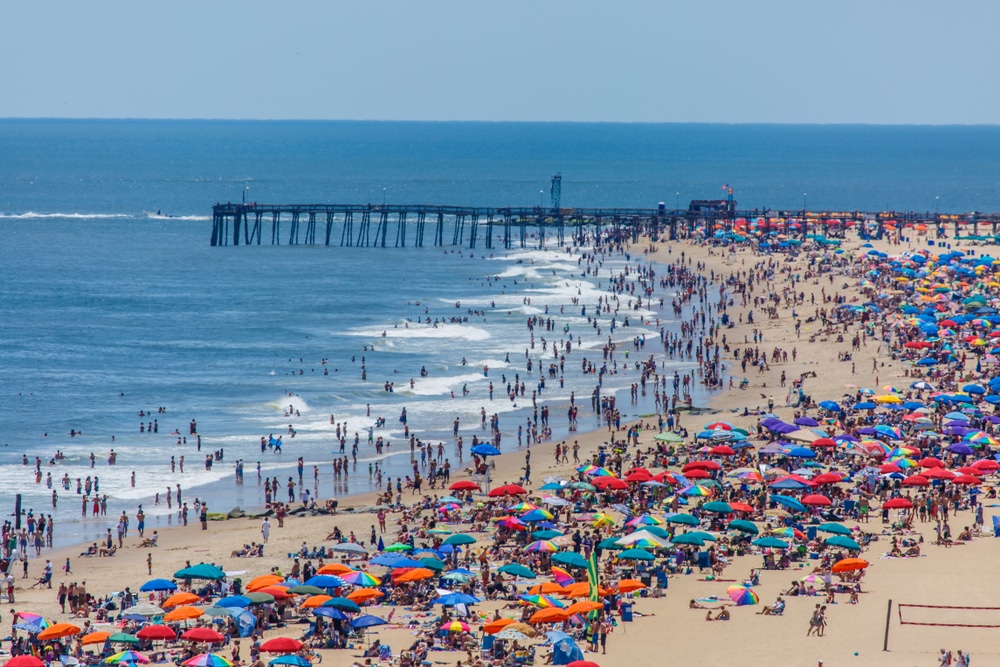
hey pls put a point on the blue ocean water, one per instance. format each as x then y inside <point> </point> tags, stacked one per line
<point>108,308</point>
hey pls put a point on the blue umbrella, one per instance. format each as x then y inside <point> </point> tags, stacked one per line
<point>234,601</point>
<point>801,452</point>
<point>367,621</point>
<point>864,405</point>
<point>158,585</point>
<point>790,503</point>
<point>326,581</point>
<point>485,450</point>
<point>330,612</point>
<point>293,660</point>
<point>453,599</point>
<point>830,405</point>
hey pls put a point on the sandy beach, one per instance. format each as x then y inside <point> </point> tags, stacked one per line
<point>665,627</point>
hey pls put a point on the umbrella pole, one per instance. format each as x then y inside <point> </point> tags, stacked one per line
<point>888,618</point>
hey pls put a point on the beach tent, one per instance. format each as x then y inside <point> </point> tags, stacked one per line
<point>564,650</point>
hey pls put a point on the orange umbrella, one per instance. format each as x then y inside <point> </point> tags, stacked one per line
<point>416,574</point>
<point>549,615</point>
<point>583,607</point>
<point>545,588</point>
<point>183,613</point>
<point>496,626</point>
<point>316,601</point>
<point>178,599</point>
<point>278,592</point>
<point>850,565</point>
<point>263,581</point>
<point>95,638</point>
<point>364,594</point>
<point>629,585</point>
<point>581,589</point>
<point>334,568</point>
<point>58,631</point>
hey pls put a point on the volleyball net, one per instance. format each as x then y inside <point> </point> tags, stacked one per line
<point>948,616</point>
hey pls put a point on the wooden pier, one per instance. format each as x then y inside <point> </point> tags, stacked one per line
<point>396,225</point>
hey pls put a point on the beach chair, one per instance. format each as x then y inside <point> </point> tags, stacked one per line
<point>486,652</point>
<point>384,653</point>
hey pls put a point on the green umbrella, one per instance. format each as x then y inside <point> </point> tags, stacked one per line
<point>770,543</point>
<point>636,554</point>
<point>260,598</point>
<point>399,546</point>
<point>307,590</point>
<point>744,526</point>
<point>432,564</point>
<point>581,485</point>
<point>459,539</point>
<point>684,519</point>
<point>517,570</point>
<point>688,538</point>
<point>835,528</point>
<point>221,611</point>
<point>668,437</point>
<point>123,638</point>
<point>717,506</point>
<point>843,541</point>
<point>200,571</point>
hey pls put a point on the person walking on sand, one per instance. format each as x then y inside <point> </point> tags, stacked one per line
<point>265,529</point>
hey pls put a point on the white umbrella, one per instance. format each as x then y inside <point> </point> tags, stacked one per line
<point>638,535</point>
<point>349,547</point>
<point>145,610</point>
<point>555,500</point>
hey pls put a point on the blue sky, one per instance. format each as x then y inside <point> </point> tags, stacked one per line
<point>727,61</point>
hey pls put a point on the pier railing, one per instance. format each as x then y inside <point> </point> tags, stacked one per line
<point>369,225</point>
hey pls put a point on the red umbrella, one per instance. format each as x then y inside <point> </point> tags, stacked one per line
<point>986,464</point>
<point>637,476</point>
<point>610,483</point>
<point>25,661</point>
<point>930,462</point>
<point>741,507</point>
<point>938,473</point>
<point>706,465</point>
<point>719,426</point>
<point>969,470</point>
<point>828,478</point>
<point>507,490</point>
<point>638,469</point>
<point>722,450</point>
<point>665,477</point>
<point>966,479</point>
<point>824,442</point>
<point>464,485</point>
<point>887,468</point>
<point>916,480</point>
<point>897,504</point>
<point>281,645</point>
<point>696,473</point>
<point>816,499</point>
<point>156,632</point>
<point>203,634</point>
<point>582,663</point>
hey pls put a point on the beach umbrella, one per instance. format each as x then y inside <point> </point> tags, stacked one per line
<point>849,565</point>
<point>485,450</point>
<point>541,600</point>
<point>549,615</point>
<point>203,634</point>
<point>292,660</point>
<point>228,612</point>
<point>636,554</point>
<point>843,541</point>
<point>742,595</point>
<point>898,503</point>
<point>668,437</point>
<point>453,599</point>
<point>156,632</point>
<point>545,588</point>
<point>455,626</point>
<point>542,545</point>
<point>365,621</point>
<point>263,581</point>
<point>790,503</point>
<point>349,548</point>
<point>178,599</point>
<point>770,543</point>
<point>493,627</point>
<point>363,595</point>
<point>158,585</point>
<point>744,526</point>
<point>546,534</point>
<point>58,631</point>
<point>207,660</point>
<point>517,570</point>
<point>718,506</point>
<point>459,539</point>
<point>260,597</point>
<point>816,499</point>
<point>464,485</point>
<point>361,578</point>
<point>281,645</point>
<point>835,528</point>
<point>234,601</point>
<point>330,612</point>
<point>25,660</point>
<point>626,586</point>
<point>741,507</point>
<point>95,638</point>
<point>342,604</point>
<point>315,601</point>
<point>325,581</point>
<point>683,519</point>
<point>416,574</point>
<point>570,558</point>
<point>200,571</point>
<point>308,590</point>
<point>127,658</point>
<point>334,568</point>
<point>584,607</point>
<point>688,538</point>
<point>833,406</point>
<point>183,613</point>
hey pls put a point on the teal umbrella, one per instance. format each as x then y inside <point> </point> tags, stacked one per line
<point>200,571</point>
<point>744,526</point>
<point>432,564</point>
<point>570,558</point>
<point>683,519</point>
<point>610,543</point>
<point>636,554</point>
<point>835,528</point>
<point>843,541</point>
<point>517,570</point>
<point>546,534</point>
<point>718,507</point>
<point>770,543</point>
<point>706,537</point>
<point>688,538</point>
<point>659,531</point>
<point>459,539</point>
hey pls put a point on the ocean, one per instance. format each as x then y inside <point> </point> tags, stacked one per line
<point>113,302</point>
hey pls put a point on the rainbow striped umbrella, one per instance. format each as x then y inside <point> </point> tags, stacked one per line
<point>645,520</point>
<point>542,601</point>
<point>361,578</point>
<point>511,523</point>
<point>537,514</point>
<point>128,657</point>
<point>522,507</point>
<point>742,595</point>
<point>695,490</point>
<point>542,545</point>
<point>561,576</point>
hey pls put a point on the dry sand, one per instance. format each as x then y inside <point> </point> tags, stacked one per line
<point>665,631</point>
